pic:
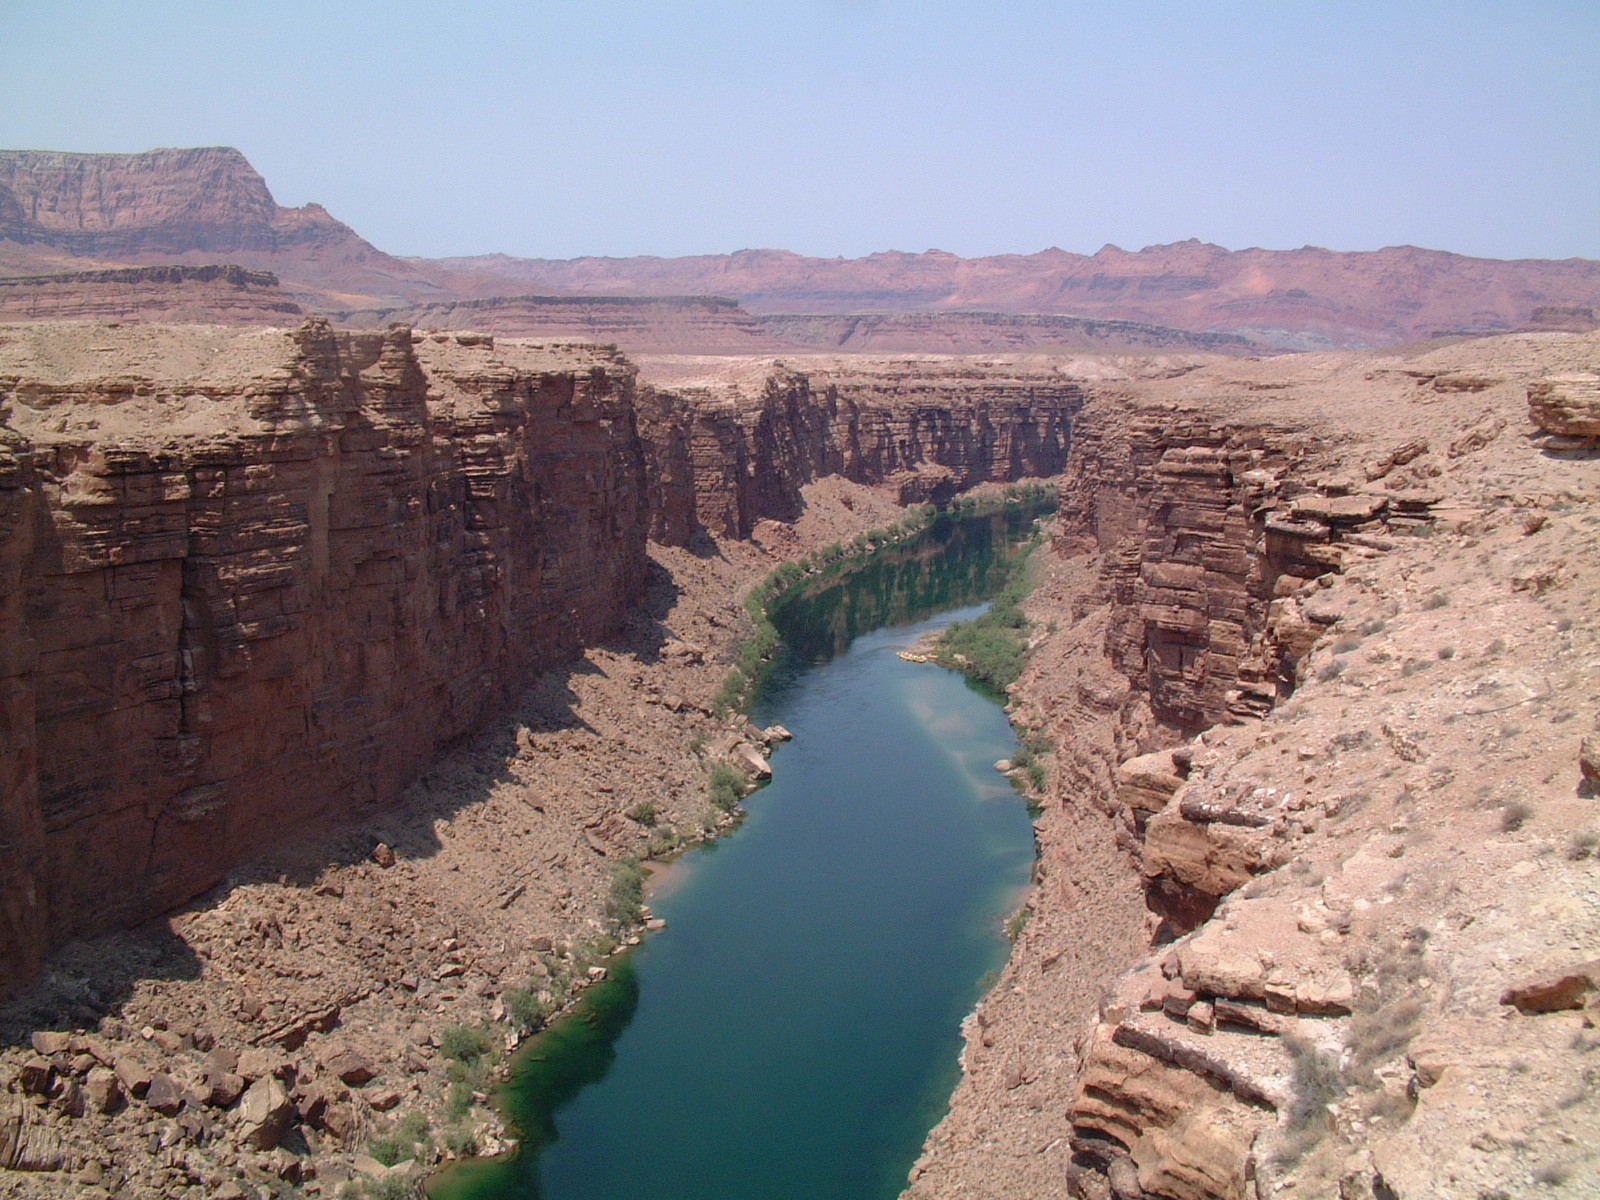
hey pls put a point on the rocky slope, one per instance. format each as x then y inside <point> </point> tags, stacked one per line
<point>1339,944</point>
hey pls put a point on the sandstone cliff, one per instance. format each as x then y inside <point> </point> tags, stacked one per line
<point>735,444</point>
<point>1366,965</point>
<point>193,206</point>
<point>217,295</point>
<point>254,581</point>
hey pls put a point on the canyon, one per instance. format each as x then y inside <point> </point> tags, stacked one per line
<point>258,579</point>
<point>1285,602</point>
<point>340,658</point>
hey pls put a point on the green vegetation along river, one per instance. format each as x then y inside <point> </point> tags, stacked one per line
<point>794,1032</point>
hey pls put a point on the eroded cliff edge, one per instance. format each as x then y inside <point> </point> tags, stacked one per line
<point>1338,945</point>
<point>255,582</point>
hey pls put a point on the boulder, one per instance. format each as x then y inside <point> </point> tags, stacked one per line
<point>133,1075</point>
<point>264,1114</point>
<point>1146,783</point>
<point>352,1068</point>
<point>223,1088</point>
<point>1555,991</point>
<point>383,1099</point>
<point>50,1044</point>
<point>36,1076</point>
<point>103,1089</point>
<point>750,759</point>
<point>383,855</point>
<point>1568,405</point>
<point>164,1095</point>
<point>26,1145</point>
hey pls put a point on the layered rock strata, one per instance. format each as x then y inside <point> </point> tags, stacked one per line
<point>735,449</point>
<point>208,294</point>
<point>1368,972</point>
<point>254,581</point>
<point>638,324</point>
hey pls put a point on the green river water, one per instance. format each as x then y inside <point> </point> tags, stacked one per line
<point>794,1031</point>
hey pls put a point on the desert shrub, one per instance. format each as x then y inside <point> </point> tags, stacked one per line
<point>1332,671</point>
<point>1446,653</point>
<point>725,788</point>
<point>1583,845</point>
<point>646,813</point>
<point>991,648</point>
<point>1495,647</point>
<point>731,694</point>
<point>1315,1083</point>
<point>664,841</point>
<point>387,1150</point>
<point>1346,644</point>
<point>626,896</point>
<point>1514,814</point>
<point>458,1102</point>
<point>990,654</point>
<point>1435,600</point>
<point>409,1139</point>
<point>1377,1036</point>
<point>1018,922</point>
<point>465,1043</point>
<point>525,1010</point>
<point>460,1141</point>
<point>392,1189</point>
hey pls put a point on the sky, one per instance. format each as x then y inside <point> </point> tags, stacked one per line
<point>550,128</point>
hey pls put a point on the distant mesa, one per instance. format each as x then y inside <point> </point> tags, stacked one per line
<point>66,214</point>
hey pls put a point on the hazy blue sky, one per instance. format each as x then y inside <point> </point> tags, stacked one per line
<point>846,126</point>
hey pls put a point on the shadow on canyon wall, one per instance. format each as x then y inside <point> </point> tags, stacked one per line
<point>88,979</point>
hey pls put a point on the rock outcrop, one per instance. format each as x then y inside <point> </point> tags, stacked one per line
<point>729,452</point>
<point>1566,405</point>
<point>204,295</point>
<point>1368,968</point>
<point>253,581</point>
<point>194,206</point>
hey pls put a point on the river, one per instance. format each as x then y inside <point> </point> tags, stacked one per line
<point>794,1032</point>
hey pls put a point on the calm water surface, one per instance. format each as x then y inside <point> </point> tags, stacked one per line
<point>794,1032</point>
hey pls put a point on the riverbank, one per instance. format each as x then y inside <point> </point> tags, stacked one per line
<point>1304,948</point>
<point>326,982</point>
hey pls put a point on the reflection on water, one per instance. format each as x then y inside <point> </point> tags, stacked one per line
<point>794,1032</point>
<point>956,560</point>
